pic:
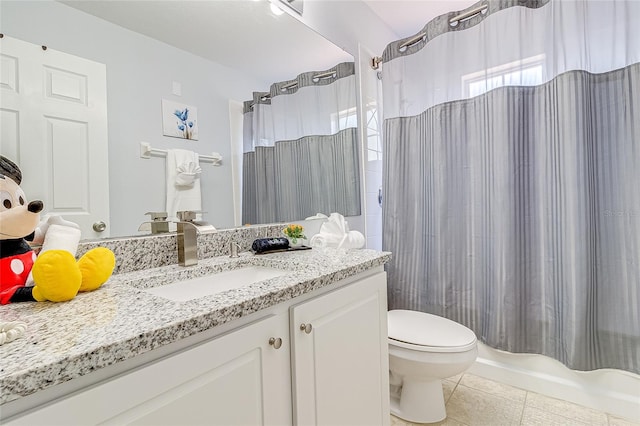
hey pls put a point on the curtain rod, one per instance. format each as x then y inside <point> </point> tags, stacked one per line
<point>288,86</point>
<point>468,14</point>
<point>146,151</point>
<point>453,22</point>
<point>324,75</point>
<point>376,60</point>
<point>412,40</point>
<point>315,78</point>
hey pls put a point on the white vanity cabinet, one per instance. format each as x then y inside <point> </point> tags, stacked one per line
<point>340,356</point>
<point>235,379</point>
<point>331,371</point>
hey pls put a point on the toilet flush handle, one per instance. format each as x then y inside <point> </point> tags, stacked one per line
<point>306,328</point>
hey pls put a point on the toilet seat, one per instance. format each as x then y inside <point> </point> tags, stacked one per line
<point>424,332</point>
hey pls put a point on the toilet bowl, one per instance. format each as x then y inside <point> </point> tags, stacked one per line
<point>423,350</point>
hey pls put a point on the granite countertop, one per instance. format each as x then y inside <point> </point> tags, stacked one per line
<point>64,341</point>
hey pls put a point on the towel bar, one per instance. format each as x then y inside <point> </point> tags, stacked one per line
<point>146,152</point>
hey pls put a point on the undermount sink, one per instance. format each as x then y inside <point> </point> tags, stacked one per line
<point>182,291</point>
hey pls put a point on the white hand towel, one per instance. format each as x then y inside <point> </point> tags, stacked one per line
<point>326,240</point>
<point>317,216</point>
<point>318,240</point>
<point>335,225</point>
<point>353,239</point>
<point>187,173</point>
<point>183,182</point>
<point>335,233</point>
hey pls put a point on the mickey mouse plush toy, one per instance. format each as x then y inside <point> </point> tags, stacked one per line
<point>56,274</point>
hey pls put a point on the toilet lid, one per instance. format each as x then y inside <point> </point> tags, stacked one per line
<point>422,329</point>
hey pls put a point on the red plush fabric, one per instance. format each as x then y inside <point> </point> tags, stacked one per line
<point>14,271</point>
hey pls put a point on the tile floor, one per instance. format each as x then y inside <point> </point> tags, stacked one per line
<point>472,400</point>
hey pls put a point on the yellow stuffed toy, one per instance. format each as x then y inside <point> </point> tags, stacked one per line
<point>56,276</point>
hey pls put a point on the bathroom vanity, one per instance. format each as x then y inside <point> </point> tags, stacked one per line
<point>306,347</point>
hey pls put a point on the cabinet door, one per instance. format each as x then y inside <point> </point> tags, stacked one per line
<point>340,356</point>
<point>235,379</point>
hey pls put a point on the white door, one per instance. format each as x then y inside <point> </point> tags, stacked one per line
<point>53,124</point>
<point>340,356</point>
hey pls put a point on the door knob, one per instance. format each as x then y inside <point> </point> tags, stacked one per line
<point>275,342</point>
<point>306,328</point>
<point>99,226</point>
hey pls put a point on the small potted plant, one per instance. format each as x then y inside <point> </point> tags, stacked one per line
<point>295,234</point>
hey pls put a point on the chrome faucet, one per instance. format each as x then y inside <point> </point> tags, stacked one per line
<point>233,249</point>
<point>158,223</point>
<point>187,232</point>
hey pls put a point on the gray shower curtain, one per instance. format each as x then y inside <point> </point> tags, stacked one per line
<point>517,211</point>
<point>301,148</point>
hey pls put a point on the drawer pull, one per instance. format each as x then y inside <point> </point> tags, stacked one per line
<point>306,328</point>
<point>275,342</point>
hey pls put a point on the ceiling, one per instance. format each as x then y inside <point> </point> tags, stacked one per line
<point>244,35</point>
<point>247,35</point>
<point>408,17</point>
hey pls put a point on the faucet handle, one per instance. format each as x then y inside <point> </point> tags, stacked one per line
<point>233,248</point>
<point>156,216</point>
<point>186,216</point>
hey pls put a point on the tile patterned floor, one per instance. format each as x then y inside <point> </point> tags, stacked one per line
<point>472,400</point>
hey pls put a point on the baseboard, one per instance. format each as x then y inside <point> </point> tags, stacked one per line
<point>612,391</point>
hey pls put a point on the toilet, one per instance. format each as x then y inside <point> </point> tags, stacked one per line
<point>423,350</point>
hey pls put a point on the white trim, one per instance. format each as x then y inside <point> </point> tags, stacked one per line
<point>235,124</point>
<point>615,392</point>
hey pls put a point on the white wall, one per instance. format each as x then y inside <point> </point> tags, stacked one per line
<point>372,149</point>
<point>347,24</point>
<point>140,72</point>
<point>353,26</point>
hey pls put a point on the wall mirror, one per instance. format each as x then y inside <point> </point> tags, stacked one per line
<point>211,55</point>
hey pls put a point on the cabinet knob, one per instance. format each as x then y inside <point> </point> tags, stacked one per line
<point>99,226</point>
<point>275,342</point>
<point>306,328</point>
